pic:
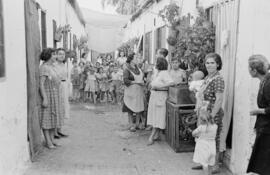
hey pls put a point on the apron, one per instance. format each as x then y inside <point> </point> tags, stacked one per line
<point>134,95</point>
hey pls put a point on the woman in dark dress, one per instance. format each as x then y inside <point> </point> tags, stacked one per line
<point>260,158</point>
<point>134,92</point>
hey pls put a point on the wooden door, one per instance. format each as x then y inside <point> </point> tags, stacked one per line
<point>32,37</point>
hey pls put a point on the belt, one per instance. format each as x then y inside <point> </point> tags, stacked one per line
<point>63,80</point>
<point>160,90</point>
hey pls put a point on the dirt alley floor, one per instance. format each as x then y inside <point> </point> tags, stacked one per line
<point>99,144</point>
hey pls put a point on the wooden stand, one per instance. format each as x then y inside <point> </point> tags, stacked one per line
<point>180,120</point>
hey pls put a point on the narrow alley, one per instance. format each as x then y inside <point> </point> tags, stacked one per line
<point>99,144</point>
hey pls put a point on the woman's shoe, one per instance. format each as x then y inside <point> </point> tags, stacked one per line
<point>62,135</point>
<point>57,137</point>
<point>216,170</point>
<point>132,129</point>
<point>148,128</point>
<point>50,146</point>
<point>150,142</point>
<point>56,144</point>
<point>198,167</point>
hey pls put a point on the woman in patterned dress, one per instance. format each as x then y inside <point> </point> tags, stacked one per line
<point>49,90</point>
<point>212,91</point>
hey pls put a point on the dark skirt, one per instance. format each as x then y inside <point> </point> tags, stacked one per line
<point>260,158</point>
<point>126,109</point>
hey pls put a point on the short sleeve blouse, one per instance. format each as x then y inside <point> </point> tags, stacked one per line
<point>217,85</point>
<point>162,78</point>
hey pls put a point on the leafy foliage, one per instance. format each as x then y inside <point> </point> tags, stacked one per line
<point>125,7</point>
<point>170,14</point>
<point>128,46</point>
<point>192,42</point>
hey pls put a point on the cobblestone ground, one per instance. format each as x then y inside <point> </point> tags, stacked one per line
<point>99,144</point>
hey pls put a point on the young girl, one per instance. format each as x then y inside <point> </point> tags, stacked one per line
<point>115,84</point>
<point>205,134</point>
<point>103,81</point>
<point>75,79</point>
<point>91,85</point>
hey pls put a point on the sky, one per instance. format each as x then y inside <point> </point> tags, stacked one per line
<point>96,5</point>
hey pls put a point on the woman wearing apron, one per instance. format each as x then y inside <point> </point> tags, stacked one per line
<point>133,93</point>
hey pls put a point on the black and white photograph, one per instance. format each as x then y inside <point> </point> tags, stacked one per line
<point>134,87</point>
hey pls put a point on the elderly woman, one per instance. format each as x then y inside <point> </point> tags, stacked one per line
<point>134,92</point>
<point>260,158</point>
<point>212,91</point>
<point>156,115</point>
<point>50,97</point>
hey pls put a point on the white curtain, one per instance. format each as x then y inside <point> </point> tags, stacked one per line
<point>225,17</point>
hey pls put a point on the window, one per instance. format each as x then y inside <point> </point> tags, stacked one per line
<point>161,37</point>
<point>148,47</point>
<point>54,31</point>
<point>43,30</point>
<point>2,48</point>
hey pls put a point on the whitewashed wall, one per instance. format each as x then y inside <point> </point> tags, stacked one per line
<point>14,150</point>
<point>13,102</point>
<point>254,38</point>
<point>62,12</point>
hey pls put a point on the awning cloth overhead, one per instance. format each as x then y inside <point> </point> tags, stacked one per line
<point>105,31</point>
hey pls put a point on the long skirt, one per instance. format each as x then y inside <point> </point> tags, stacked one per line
<point>64,91</point>
<point>260,158</point>
<point>156,114</point>
<point>50,117</point>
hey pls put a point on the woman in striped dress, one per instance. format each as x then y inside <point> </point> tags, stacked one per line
<point>49,90</point>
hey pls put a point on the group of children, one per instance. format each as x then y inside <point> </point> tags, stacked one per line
<point>97,83</point>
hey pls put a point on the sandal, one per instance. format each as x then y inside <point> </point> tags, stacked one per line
<point>56,145</point>
<point>150,142</point>
<point>132,129</point>
<point>50,146</point>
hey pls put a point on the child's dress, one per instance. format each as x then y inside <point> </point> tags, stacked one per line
<point>205,149</point>
<point>103,84</point>
<point>91,83</point>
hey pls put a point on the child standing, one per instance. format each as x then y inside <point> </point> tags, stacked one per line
<point>91,85</point>
<point>115,84</point>
<point>103,81</point>
<point>75,80</point>
<point>205,134</point>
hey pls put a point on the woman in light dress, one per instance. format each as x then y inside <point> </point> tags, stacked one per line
<point>156,115</point>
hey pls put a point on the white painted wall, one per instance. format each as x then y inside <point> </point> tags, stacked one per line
<point>14,150</point>
<point>254,38</point>
<point>62,12</point>
<point>13,102</point>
